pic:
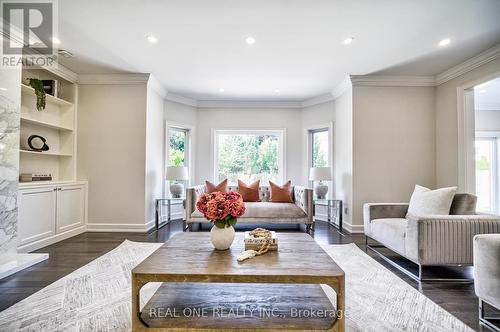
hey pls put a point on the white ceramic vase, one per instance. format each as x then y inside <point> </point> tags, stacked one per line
<point>222,238</point>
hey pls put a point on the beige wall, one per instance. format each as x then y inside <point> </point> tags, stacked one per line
<point>111,153</point>
<point>313,116</point>
<point>447,122</point>
<point>393,144</point>
<point>180,113</point>
<point>155,133</point>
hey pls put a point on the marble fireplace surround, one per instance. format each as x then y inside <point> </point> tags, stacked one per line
<point>10,99</point>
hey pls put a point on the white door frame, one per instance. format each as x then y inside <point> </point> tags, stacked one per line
<point>466,133</point>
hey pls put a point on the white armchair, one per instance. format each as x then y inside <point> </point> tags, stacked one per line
<point>428,240</point>
<point>487,274</point>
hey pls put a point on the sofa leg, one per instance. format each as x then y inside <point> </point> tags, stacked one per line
<point>308,228</point>
<point>417,276</point>
<point>190,227</point>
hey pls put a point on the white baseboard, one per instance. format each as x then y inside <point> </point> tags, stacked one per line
<point>150,225</point>
<point>50,240</point>
<point>12,263</point>
<point>353,229</point>
<point>134,228</point>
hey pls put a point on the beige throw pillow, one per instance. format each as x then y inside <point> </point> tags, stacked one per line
<point>426,202</point>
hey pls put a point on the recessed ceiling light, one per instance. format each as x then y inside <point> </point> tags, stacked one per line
<point>250,40</point>
<point>152,39</point>
<point>445,42</point>
<point>222,90</point>
<point>348,40</point>
<point>3,89</point>
<point>276,90</point>
<point>56,41</point>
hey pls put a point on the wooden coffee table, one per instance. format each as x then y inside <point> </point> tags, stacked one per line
<point>208,290</point>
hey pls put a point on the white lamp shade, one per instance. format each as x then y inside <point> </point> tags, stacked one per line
<point>320,173</point>
<point>177,173</point>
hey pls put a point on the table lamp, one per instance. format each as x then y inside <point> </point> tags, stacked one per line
<point>320,174</point>
<point>177,173</point>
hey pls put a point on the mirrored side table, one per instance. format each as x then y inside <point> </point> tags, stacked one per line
<point>164,209</point>
<point>334,210</point>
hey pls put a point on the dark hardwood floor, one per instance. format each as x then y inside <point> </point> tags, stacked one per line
<point>68,255</point>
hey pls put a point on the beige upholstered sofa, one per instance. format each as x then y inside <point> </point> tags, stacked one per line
<point>429,240</point>
<point>264,212</point>
<point>487,274</point>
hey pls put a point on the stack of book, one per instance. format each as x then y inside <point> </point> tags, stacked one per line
<point>255,243</point>
<point>29,177</point>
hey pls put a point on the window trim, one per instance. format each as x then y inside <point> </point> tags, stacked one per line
<point>190,150</point>
<point>495,137</point>
<point>308,130</point>
<point>281,132</point>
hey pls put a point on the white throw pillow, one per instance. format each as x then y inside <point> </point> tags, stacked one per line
<point>426,202</point>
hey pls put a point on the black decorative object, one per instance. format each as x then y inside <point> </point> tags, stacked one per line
<point>51,87</point>
<point>37,143</point>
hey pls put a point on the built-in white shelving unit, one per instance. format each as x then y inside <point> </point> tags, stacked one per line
<point>50,211</point>
<point>56,123</point>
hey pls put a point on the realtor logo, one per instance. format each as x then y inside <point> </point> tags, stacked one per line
<point>28,29</point>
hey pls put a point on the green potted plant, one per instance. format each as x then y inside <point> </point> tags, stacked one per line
<point>37,84</point>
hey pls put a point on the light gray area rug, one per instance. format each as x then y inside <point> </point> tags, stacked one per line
<point>97,296</point>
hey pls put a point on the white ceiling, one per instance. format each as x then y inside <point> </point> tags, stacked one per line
<point>298,47</point>
<point>487,95</point>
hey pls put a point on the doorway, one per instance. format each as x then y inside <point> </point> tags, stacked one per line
<point>487,145</point>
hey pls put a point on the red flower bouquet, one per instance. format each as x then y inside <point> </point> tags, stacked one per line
<point>220,208</point>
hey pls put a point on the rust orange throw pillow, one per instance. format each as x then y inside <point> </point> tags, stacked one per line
<point>281,194</point>
<point>249,193</point>
<point>213,188</point>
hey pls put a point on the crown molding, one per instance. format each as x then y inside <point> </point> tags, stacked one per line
<point>63,72</point>
<point>468,65</point>
<point>181,99</point>
<point>248,104</point>
<point>156,86</point>
<point>342,87</point>
<point>17,36</point>
<point>318,100</point>
<point>113,78</point>
<point>383,80</point>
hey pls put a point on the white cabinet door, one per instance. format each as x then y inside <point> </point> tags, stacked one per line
<point>37,214</point>
<point>70,207</point>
